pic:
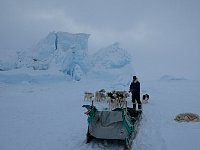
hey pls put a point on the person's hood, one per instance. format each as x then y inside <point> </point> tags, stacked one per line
<point>136,80</point>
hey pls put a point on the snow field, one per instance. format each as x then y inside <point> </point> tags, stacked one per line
<point>49,115</point>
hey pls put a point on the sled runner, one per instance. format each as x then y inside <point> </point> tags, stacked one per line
<point>119,124</point>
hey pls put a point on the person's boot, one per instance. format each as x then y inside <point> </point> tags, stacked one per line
<point>134,106</point>
<point>140,107</point>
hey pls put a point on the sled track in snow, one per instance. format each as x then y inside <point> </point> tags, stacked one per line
<point>106,144</point>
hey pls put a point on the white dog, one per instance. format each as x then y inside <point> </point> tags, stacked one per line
<point>88,96</point>
<point>145,99</point>
<point>100,95</point>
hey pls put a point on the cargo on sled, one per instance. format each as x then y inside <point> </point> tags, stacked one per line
<point>118,124</point>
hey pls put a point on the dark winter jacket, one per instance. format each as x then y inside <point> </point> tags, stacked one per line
<point>135,87</point>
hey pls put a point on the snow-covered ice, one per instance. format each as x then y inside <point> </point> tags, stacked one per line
<point>47,115</point>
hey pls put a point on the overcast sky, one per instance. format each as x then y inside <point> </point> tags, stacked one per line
<point>163,36</point>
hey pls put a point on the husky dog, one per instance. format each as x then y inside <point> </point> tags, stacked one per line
<point>100,95</point>
<point>88,96</point>
<point>145,98</point>
<point>187,117</point>
<point>117,99</point>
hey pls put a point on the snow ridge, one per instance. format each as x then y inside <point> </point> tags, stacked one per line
<point>111,57</point>
<point>171,78</point>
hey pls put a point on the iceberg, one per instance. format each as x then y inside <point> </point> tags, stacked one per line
<point>68,53</point>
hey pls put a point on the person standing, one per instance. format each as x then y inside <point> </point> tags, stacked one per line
<point>135,91</point>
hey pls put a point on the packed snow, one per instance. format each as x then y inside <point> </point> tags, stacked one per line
<point>42,109</point>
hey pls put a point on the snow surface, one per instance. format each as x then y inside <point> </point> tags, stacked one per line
<point>42,110</point>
